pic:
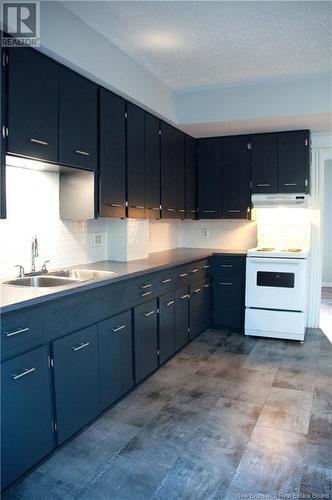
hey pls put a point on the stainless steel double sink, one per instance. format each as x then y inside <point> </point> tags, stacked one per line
<point>60,278</point>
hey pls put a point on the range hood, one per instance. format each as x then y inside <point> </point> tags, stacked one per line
<point>280,200</point>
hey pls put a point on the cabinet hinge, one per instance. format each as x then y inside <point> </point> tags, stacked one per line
<point>158,310</point>
<point>159,131</point>
<point>306,183</point>
<point>188,329</point>
<point>306,142</point>
<point>4,59</point>
<point>54,426</point>
<point>50,362</point>
<point>126,203</point>
<point>249,145</point>
<point>126,114</point>
<point>250,184</point>
<point>3,131</point>
<point>158,352</point>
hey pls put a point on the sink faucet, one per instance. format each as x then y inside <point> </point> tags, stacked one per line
<point>34,253</point>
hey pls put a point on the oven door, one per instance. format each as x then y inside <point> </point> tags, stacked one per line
<point>273,283</point>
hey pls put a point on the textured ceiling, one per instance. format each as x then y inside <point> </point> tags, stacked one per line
<point>194,45</point>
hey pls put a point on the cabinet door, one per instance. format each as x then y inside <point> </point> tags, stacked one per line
<point>293,161</point>
<point>26,413</point>
<point>172,172</point>
<point>166,327</point>
<point>112,151</point>
<point>115,358</point>
<point>145,328</point>
<point>235,178</point>
<point>228,301</point>
<point>33,105</point>
<point>209,178</point>
<point>264,163</point>
<point>135,161</point>
<point>181,317</point>
<point>152,166</point>
<point>206,306</point>
<point>3,98</point>
<point>77,120</point>
<point>191,176</point>
<point>76,381</point>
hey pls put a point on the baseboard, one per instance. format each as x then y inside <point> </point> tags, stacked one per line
<point>326,285</point>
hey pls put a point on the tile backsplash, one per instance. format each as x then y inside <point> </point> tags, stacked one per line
<point>33,209</point>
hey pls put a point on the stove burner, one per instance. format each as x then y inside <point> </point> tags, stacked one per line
<point>292,250</point>
<point>265,249</point>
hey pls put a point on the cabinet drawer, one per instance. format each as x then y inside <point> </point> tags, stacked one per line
<point>76,381</point>
<point>166,281</point>
<point>142,289</point>
<point>228,265</point>
<point>20,329</point>
<point>199,270</point>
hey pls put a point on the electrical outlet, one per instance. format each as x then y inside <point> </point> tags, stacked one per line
<point>205,233</point>
<point>97,240</point>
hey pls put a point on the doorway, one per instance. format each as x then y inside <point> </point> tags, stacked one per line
<point>326,291</point>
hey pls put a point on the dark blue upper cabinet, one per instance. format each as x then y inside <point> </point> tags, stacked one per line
<point>264,158</point>
<point>293,161</point>
<point>172,172</point>
<point>190,156</point>
<point>209,178</point>
<point>32,105</point>
<point>77,120</point>
<point>112,154</point>
<point>76,381</point>
<point>152,166</point>
<point>26,413</point>
<point>235,177</point>
<point>115,358</point>
<point>135,161</point>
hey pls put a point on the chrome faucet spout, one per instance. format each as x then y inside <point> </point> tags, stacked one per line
<point>34,253</point>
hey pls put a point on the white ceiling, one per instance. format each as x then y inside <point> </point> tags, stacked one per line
<point>207,44</point>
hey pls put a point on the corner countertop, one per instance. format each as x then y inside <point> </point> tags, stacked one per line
<point>13,298</point>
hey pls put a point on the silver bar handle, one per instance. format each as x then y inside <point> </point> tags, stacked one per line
<point>170,303</point>
<point>115,205</point>
<point>290,184</point>
<point>207,285</point>
<point>25,372</point>
<point>118,328</point>
<point>82,346</point>
<point>146,294</point>
<point>140,207</point>
<point>156,209</point>
<point>148,285</point>
<point>197,290</point>
<point>226,265</point>
<point>83,153</point>
<point>183,275</point>
<point>225,283</point>
<point>17,332</point>
<point>167,280</point>
<point>185,297</point>
<point>181,210</point>
<point>37,141</point>
<point>170,209</point>
<point>234,211</point>
<point>209,211</point>
<point>149,313</point>
<point>195,270</point>
<point>264,185</point>
<point>206,267</point>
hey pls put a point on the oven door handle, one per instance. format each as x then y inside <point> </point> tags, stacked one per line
<point>285,261</point>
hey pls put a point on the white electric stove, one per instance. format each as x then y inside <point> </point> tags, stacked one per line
<point>276,292</point>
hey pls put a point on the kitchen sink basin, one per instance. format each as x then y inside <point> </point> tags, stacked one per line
<point>82,274</point>
<point>42,281</point>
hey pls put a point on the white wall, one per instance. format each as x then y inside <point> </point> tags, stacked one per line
<point>164,235</point>
<point>33,209</point>
<point>327,225</point>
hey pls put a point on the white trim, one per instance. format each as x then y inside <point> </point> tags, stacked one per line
<point>327,285</point>
<point>321,151</point>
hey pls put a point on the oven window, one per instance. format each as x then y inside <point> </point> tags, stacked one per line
<point>279,280</point>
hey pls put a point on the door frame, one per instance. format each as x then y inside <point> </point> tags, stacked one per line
<point>321,151</point>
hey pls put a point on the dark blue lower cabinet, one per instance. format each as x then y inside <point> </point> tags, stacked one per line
<point>26,413</point>
<point>181,317</point>
<point>115,358</point>
<point>166,326</point>
<point>76,381</point>
<point>228,301</point>
<point>145,339</point>
<point>200,307</point>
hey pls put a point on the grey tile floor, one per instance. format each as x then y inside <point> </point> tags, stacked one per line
<point>228,416</point>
